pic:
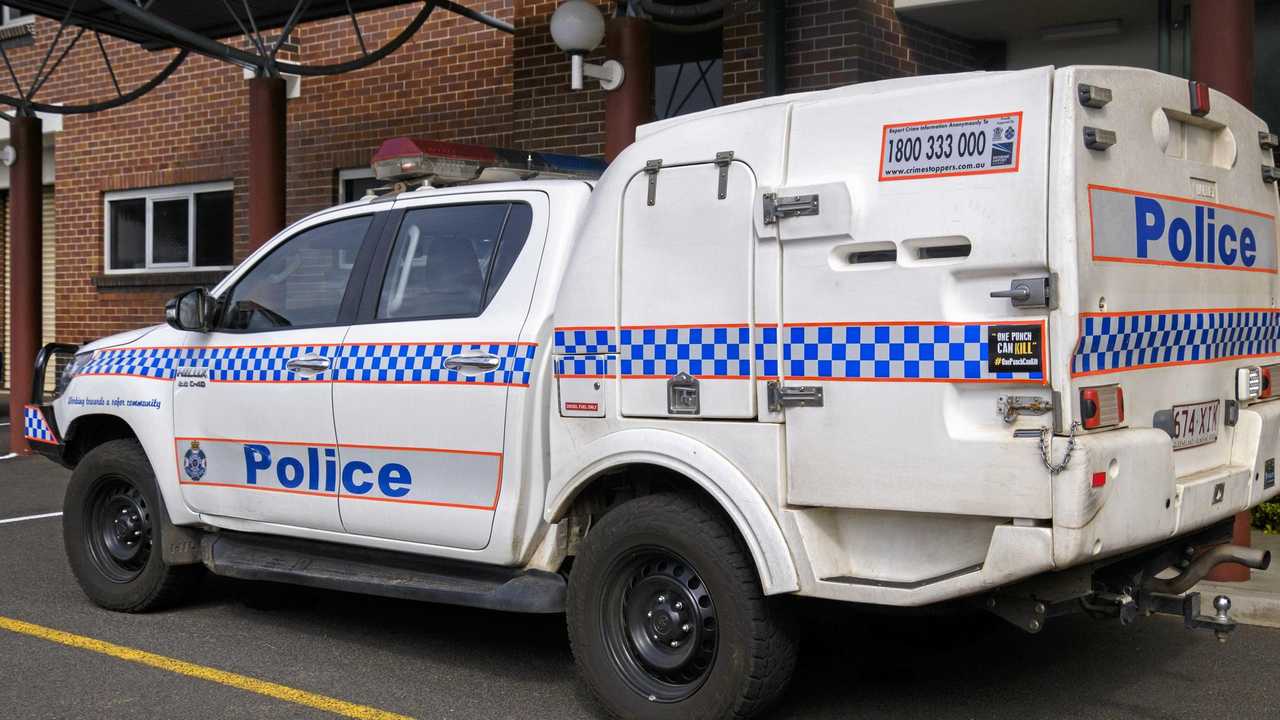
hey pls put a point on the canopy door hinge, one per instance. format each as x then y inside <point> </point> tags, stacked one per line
<point>651,169</point>
<point>784,396</point>
<point>776,208</point>
<point>723,158</point>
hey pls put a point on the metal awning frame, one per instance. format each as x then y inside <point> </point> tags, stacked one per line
<point>151,29</point>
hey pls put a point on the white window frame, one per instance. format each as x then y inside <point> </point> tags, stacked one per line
<point>7,21</point>
<point>351,174</point>
<point>152,196</point>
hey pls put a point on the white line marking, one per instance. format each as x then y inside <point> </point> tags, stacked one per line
<point>30,517</point>
<point>10,455</point>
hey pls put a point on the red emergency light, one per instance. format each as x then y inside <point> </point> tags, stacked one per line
<point>1199,98</point>
<point>406,160</point>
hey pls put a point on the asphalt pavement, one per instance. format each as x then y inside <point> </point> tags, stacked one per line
<point>431,661</point>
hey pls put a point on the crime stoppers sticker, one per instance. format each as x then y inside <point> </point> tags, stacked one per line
<point>1015,348</point>
<point>976,145</point>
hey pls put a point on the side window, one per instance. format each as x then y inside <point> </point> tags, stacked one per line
<point>301,283</point>
<point>449,261</point>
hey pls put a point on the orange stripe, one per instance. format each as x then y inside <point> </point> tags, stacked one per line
<point>340,445</point>
<point>1193,201</point>
<point>264,488</point>
<point>1175,311</point>
<point>1032,381</point>
<point>894,323</point>
<point>1175,263</point>
<point>689,326</point>
<point>1171,363</point>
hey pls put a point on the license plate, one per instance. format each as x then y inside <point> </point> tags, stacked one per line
<point>1195,424</point>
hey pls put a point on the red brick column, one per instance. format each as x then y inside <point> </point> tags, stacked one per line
<point>267,134</point>
<point>25,229</point>
<point>631,105</point>
<point>1222,56</point>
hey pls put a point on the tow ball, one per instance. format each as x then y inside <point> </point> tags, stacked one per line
<point>1130,590</point>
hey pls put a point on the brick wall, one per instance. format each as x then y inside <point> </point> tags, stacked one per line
<point>838,42</point>
<point>548,115</point>
<point>451,82</point>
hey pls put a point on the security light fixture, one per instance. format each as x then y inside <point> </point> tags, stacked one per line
<point>578,27</point>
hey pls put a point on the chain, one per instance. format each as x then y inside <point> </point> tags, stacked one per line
<point>1055,468</point>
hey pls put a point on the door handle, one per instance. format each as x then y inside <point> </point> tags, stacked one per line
<point>308,364</point>
<point>474,363</point>
<point>1029,293</point>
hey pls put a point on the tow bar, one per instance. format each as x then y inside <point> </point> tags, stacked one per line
<point>1164,595</point>
<point>1131,587</point>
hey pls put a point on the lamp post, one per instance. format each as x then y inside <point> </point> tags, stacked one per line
<point>577,27</point>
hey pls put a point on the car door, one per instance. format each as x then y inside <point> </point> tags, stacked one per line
<point>429,375</point>
<point>253,407</point>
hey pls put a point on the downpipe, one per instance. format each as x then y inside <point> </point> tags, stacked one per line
<point>1207,561</point>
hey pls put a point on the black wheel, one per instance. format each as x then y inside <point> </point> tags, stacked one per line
<point>111,525</point>
<point>667,619</point>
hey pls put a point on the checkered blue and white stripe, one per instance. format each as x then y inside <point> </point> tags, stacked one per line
<point>1111,343</point>
<point>584,341</point>
<point>585,366</point>
<point>141,362</point>
<point>709,352</point>
<point>35,427</point>
<point>425,363</point>
<point>391,363</point>
<point>922,351</point>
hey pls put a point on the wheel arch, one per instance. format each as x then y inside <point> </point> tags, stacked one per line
<point>697,463</point>
<point>89,431</point>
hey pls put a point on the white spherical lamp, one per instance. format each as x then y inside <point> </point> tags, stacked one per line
<point>577,26</point>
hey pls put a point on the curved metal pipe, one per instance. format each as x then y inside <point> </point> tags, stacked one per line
<point>1195,572</point>
<point>108,104</point>
<point>695,11</point>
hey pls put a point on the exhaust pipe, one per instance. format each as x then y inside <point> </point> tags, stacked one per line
<point>1215,556</point>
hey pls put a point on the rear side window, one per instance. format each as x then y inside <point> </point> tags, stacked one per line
<point>301,283</point>
<point>448,262</point>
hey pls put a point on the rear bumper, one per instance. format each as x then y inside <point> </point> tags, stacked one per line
<point>1144,501</point>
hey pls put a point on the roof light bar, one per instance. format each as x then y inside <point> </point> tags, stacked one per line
<point>409,160</point>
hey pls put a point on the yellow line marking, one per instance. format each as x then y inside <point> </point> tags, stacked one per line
<point>242,682</point>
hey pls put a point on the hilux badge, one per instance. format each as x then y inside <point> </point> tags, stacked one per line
<point>194,463</point>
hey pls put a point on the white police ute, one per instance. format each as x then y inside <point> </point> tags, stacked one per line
<point>1008,338</point>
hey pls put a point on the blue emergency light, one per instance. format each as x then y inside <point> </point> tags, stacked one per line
<point>407,160</point>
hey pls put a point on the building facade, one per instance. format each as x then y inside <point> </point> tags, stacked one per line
<point>151,198</point>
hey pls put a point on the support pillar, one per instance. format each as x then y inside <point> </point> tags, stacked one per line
<point>267,135</point>
<point>1222,35</point>
<point>25,232</point>
<point>627,41</point>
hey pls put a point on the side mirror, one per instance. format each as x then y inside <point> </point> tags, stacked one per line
<point>191,310</point>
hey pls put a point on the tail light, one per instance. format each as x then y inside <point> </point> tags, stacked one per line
<point>1256,383</point>
<point>1101,406</point>
<point>1248,383</point>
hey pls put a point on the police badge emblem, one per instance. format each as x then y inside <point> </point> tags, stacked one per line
<point>194,463</point>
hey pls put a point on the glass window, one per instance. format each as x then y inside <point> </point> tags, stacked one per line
<point>215,212</point>
<point>173,227</point>
<point>301,283</point>
<point>354,188</point>
<point>449,261</point>
<point>169,232</point>
<point>128,235</point>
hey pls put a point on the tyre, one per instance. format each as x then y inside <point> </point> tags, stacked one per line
<point>666,617</point>
<point>111,525</point>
